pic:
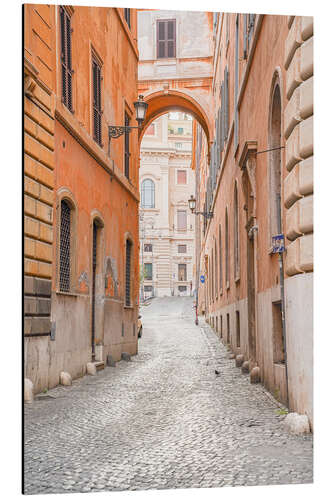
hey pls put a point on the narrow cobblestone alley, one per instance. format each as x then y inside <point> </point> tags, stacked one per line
<point>163,420</point>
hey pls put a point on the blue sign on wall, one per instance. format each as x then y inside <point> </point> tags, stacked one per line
<point>278,243</point>
<point>202,278</point>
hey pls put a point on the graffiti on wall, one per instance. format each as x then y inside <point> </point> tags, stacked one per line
<point>111,278</point>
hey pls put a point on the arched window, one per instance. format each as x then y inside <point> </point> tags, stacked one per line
<point>148,193</point>
<point>220,258</point>
<point>216,271</point>
<point>236,233</point>
<point>275,163</point>
<point>65,247</point>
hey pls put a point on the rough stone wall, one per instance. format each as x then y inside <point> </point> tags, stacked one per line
<point>39,163</point>
<point>298,201</point>
<point>298,131</point>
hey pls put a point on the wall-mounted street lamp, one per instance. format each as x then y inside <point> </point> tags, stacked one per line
<point>116,131</point>
<point>192,203</point>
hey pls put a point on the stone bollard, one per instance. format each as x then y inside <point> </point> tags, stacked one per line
<point>110,361</point>
<point>65,378</point>
<point>255,375</point>
<point>297,424</point>
<point>91,369</point>
<point>125,356</point>
<point>239,360</point>
<point>28,391</point>
<point>245,367</point>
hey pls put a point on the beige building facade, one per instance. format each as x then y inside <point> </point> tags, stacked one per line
<point>166,224</point>
<point>258,182</point>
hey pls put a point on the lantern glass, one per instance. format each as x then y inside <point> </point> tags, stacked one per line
<point>191,203</point>
<point>140,109</point>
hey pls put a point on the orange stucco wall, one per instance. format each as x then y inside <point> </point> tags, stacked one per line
<point>92,178</point>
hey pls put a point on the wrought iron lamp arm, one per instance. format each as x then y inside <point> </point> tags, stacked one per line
<point>116,131</point>
<point>207,215</point>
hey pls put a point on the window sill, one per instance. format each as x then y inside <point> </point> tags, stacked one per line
<point>128,307</point>
<point>228,285</point>
<point>66,294</point>
<point>237,279</point>
<point>163,60</point>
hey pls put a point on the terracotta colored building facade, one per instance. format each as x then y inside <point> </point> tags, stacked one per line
<point>260,302</point>
<point>93,200</point>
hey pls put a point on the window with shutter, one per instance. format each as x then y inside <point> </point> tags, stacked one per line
<point>65,247</point>
<point>216,271</point>
<point>226,102</point>
<point>181,176</point>
<point>251,21</point>
<point>182,272</point>
<point>127,15</point>
<point>220,257</point>
<point>166,38</point>
<point>148,193</point>
<point>226,248</point>
<point>236,138</point>
<point>245,16</point>
<point>148,271</point>
<point>97,105</point>
<point>236,233</point>
<point>66,58</point>
<point>127,147</point>
<point>181,220</point>
<point>223,115</point>
<point>128,273</point>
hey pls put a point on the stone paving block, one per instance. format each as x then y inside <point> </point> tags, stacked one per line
<point>163,421</point>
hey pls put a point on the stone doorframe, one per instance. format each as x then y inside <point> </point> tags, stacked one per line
<point>247,164</point>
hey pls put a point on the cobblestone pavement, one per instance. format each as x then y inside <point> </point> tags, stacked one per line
<point>163,420</point>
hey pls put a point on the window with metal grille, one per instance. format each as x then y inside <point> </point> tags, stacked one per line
<point>148,193</point>
<point>127,15</point>
<point>148,271</point>
<point>182,288</point>
<point>65,247</point>
<point>181,220</point>
<point>181,176</point>
<point>127,148</point>
<point>97,104</point>
<point>66,58</point>
<point>236,233</point>
<point>148,247</point>
<point>182,272</point>
<point>150,130</point>
<point>181,248</point>
<point>166,38</point>
<point>128,273</point>
<point>148,288</point>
